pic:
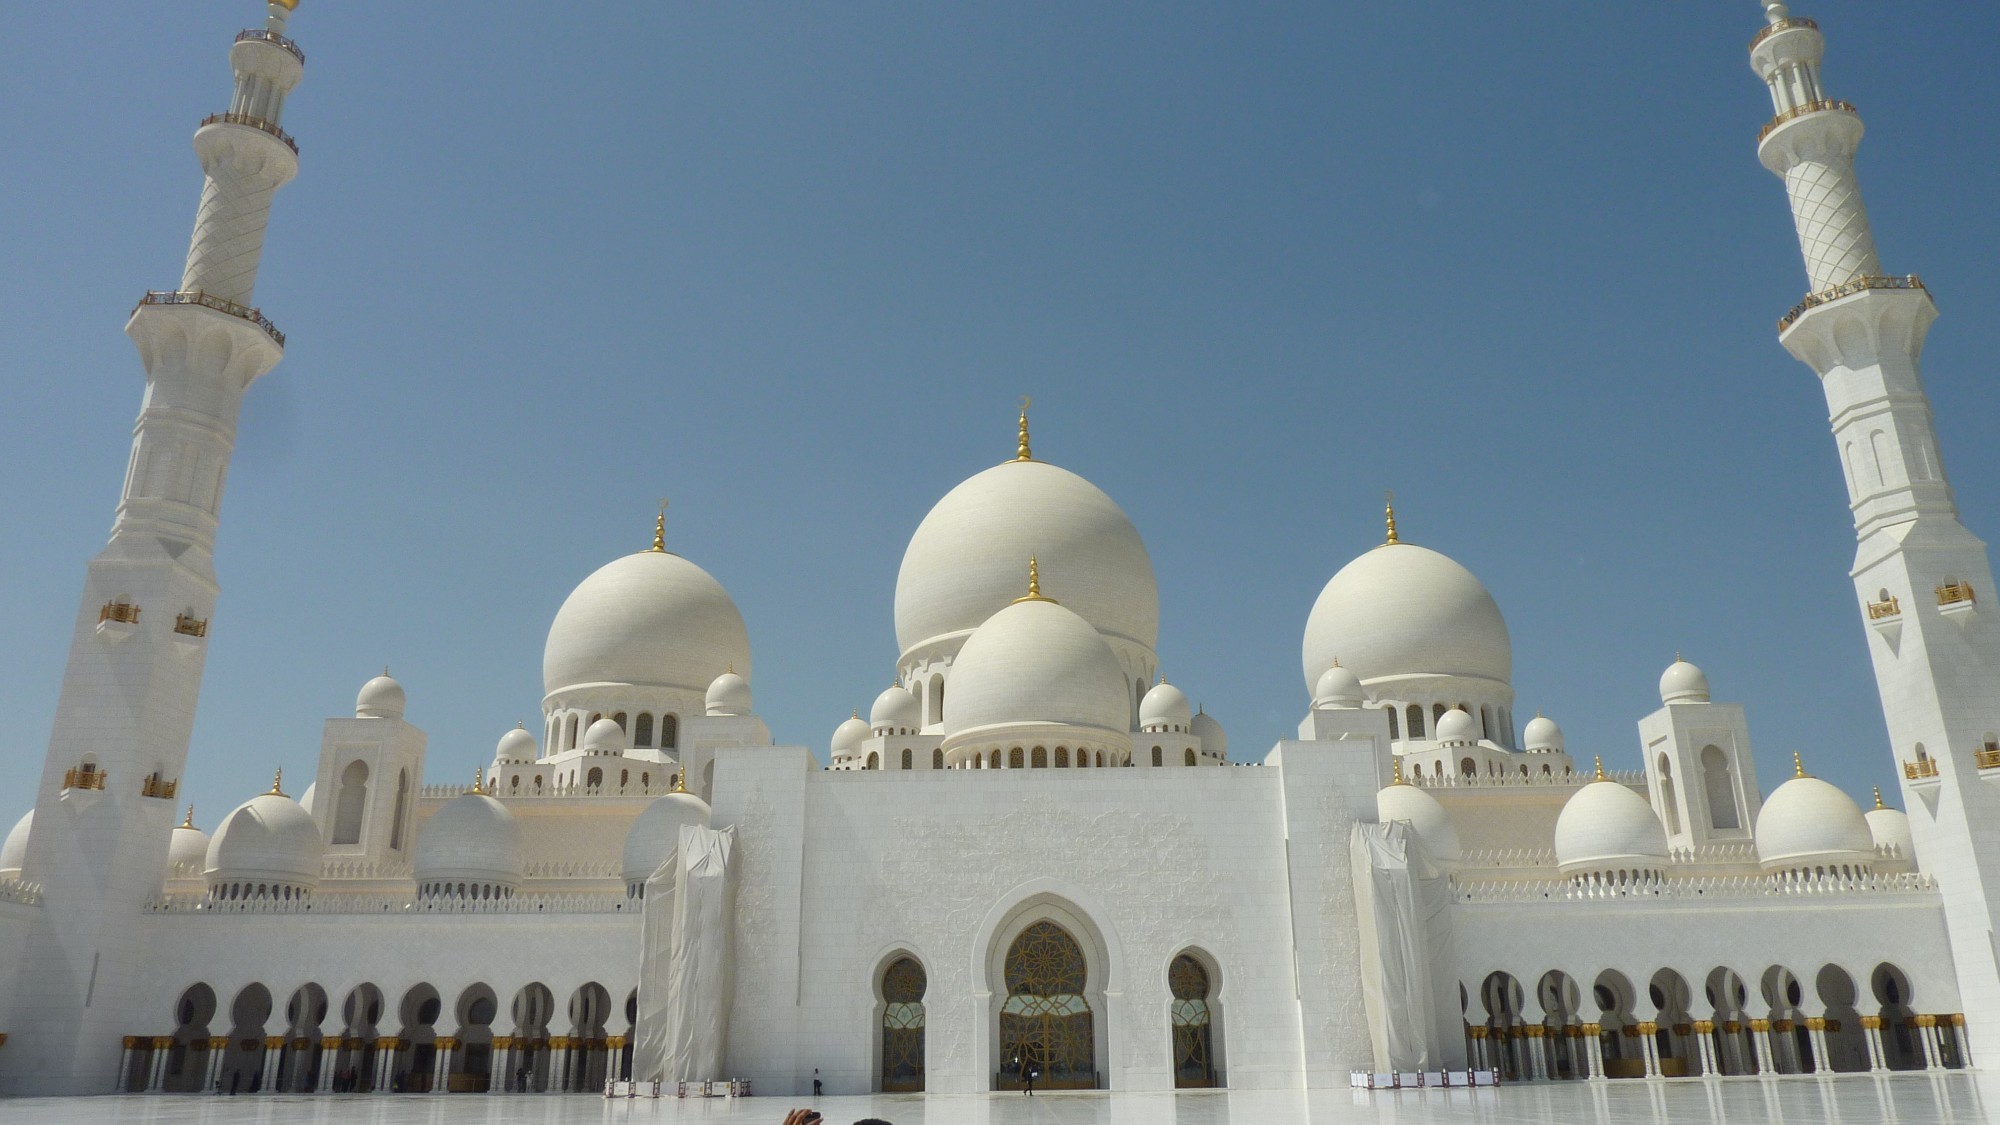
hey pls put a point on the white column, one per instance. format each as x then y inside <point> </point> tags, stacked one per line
<point>1760,1035</point>
<point>385,1063</point>
<point>156,1069</point>
<point>1650,1047</point>
<point>1594,1049</point>
<point>329,1054</point>
<point>125,1065</point>
<point>501,1071</point>
<point>1534,1042</point>
<point>216,1054</point>
<point>268,1071</point>
<point>1871,1029</point>
<point>1816,1027</point>
<point>1927,1035</point>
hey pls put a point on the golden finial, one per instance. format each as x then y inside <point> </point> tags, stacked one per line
<point>1600,766</point>
<point>1798,765</point>
<point>479,779</point>
<point>855,713</point>
<point>680,781</point>
<point>1878,800</point>
<point>189,822</point>
<point>1389,516</point>
<point>1034,583</point>
<point>1396,767</point>
<point>660,529</point>
<point>1021,450</point>
<point>277,784</point>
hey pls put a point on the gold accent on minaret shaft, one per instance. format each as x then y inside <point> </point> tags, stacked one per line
<point>1022,452</point>
<point>1389,518</point>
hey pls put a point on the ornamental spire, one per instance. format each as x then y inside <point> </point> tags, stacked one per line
<point>277,784</point>
<point>1878,797</point>
<point>1599,759</point>
<point>1389,517</point>
<point>189,822</point>
<point>660,529</point>
<point>1021,450</point>
<point>1798,766</point>
<point>1034,583</point>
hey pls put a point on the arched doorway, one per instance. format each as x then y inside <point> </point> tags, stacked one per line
<point>1046,1022</point>
<point>1193,1023</point>
<point>188,1063</point>
<point>243,1065</point>
<point>903,987</point>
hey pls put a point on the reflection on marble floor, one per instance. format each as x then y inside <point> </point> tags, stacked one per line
<point>1908,1099</point>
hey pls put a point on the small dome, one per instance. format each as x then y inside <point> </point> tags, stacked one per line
<point>1165,706</point>
<point>963,564</point>
<point>1606,827</point>
<point>1338,687</point>
<point>267,839</point>
<point>14,850</point>
<point>652,619</point>
<point>1542,736</point>
<point>1810,823</point>
<point>473,839</point>
<point>1456,728</point>
<point>1037,663</point>
<point>187,852</point>
<point>1424,814</point>
<point>896,709</point>
<point>656,832</point>
<point>849,735</point>
<point>728,695</point>
<point>1214,742</point>
<point>306,798</point>
<point>1404,610</point>
<point>380,698</point>
<point>516,745</point>
<point>1683,683</point>
<point>604,736</point>
<point>1891,828</point>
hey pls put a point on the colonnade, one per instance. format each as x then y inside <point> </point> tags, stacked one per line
<point>1535,1052</point>
<point>144,1065</point>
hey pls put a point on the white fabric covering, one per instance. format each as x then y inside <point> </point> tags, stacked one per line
<point>1401,901</point>
<point>686,961</point>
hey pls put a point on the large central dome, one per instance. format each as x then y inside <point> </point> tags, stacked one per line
<point>964,563</point>
<point>654,619</point>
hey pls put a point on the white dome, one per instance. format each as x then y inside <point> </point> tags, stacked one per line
<point>472,838</point>
<point>380,698</point>
<point>1214,742</point>
<point>849,735</point>
<point>1456,728</point>
<point>516,745</point>
<point>1807,822</point>
<point>1036,663</point>
<point>1165,705</point>
<point>653,619</point>
<point>656,832</point>
<point>1683,683</point>
<point>728,695</point>
<point>14,850</point>
<point>1405,610</point>
<point>604,736</point>
<point>1338,687</point>
<point>1542,735</point>
<point>187,852</point>
<point>1424,814</point>
<point>1891,827</point>
<point>1606,827</point>
<point>896,709</point>
<point>963,565</point>
<point>306,798</point>
<point>267,839</point>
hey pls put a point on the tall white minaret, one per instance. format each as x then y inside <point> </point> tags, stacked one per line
<point>1924,590</point>
<point>105,806</point>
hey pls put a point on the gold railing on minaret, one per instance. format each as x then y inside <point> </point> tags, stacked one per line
<point>1955,593</point>
<point>1847,289</point>
<point>123,612</point>
<point>1769,29</point>
<point>189,626</point>
<point>210,301</point>
<point>260,123</point>
<point>1920,769</point>
<point>262,36</point>
<point>85,776</point>
<point>153,786</point>
<point>1799,111</point>
<point>1879,610</point>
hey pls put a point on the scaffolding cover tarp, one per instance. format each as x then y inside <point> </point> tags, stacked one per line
<point>1402,901</point>
<point>686,963</point>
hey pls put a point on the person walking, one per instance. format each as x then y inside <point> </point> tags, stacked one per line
<point>816,1084</point>
<point>1028,1075</point>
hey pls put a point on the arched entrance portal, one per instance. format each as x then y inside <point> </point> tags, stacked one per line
<point>903,1027</point>
<point>1194,1032</point>
<point>1046,1022</point>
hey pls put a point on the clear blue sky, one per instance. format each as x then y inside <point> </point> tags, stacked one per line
<point>793,265</point>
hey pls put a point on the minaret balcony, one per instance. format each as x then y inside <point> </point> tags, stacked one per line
<point>1922,771</point>
<point>210,301</point>
<point>153,786</point>
<point>1956,601</point>
<point>270,127</point>
<point>1987,758</point>
<point>1846,289</point>
<point>1880,611</point>
<point>1758,39</point>
<point>187,625</point>
<point>1798,111</point>
<point>260,35</point>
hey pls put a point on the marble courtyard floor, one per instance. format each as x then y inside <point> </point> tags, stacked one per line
<point>1910,1099</point>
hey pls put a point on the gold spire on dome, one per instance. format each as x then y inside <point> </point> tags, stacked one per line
<point>1599,758</point>
<point>660,529</point>
<point>277,784</point>
<point>1389,517</point>
<point>680,781</point>
<point>1878,800</point>
<point>1021,450</point>
<point>1396,769</point>
<point>189,822</point>
<point>478,780</point>
<point>1034,583</point>
<point>288,5</point>
<point>1798,765</point>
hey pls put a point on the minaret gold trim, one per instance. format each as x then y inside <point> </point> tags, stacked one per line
<point>660,529</point>
<point>1389,517</point>
<point>1034,583</point>
<point>277,784</point>
<point>1021,450</point>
